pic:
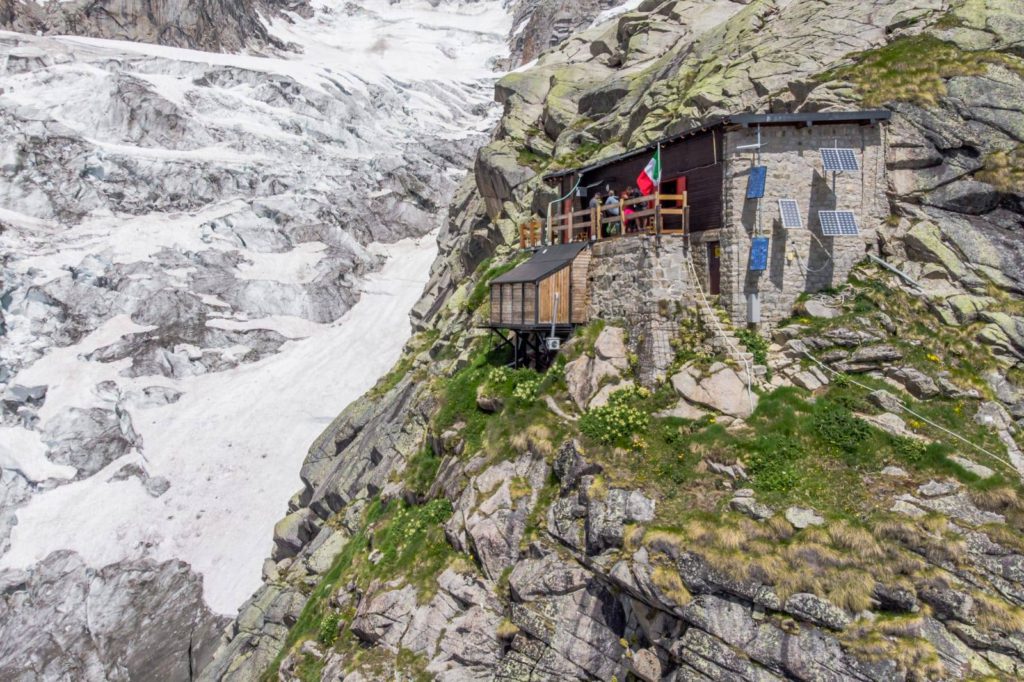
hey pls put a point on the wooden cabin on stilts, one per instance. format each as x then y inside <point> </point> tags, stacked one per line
<point>540,302</point>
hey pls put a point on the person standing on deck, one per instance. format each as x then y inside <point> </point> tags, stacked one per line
<point>628,211</point>
<point>611,209</point>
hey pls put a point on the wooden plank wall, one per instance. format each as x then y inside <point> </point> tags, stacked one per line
<point>495,304</point>
<point>559,282</point>
<point>506,303</point>
<point>580,268</point>
<point>516,291</point>
<point>530,303</point>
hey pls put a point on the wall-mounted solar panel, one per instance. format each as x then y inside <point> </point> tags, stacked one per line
<point>755,182</point>
<point>759,254</point>
<point>838,223</point>
<point>839,159</point>
<point>790,212</point>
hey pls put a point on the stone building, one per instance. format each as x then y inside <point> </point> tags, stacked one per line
<point>730,174</point>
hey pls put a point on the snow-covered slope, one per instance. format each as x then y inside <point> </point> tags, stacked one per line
<point>204,257</point>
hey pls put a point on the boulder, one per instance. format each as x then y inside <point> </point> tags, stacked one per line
<point>293,532</point>
<point>646,665</point>
<point>384,618</point>
<point>924,243</point>
<point>683,410</point>
<point>816,610</point>
<point>490,515</point>
<point>816,308</point>
<point>958,506</point>
<point>964,196</point>
<point>545,577</point>
<point>938,488</point>
<point>895,598</point>
<point>602,396</point>
<point>806,380</point>
<point>801,517</point>
<point>569,464</point>
<point>486,402</point>
<point>584,376</point>
<point>606,518</point>
<point>30,395</point>
<point>886,400</point>
<point>890,423</point>
<point>751,507</point>
<point>722,389</point>
<point>611,347</point>
<point>994,416</point>
<point>868,358</point>
<point>916,382</point>
<point>978,470</point>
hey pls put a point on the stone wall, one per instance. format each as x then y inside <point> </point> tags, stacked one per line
<point>646,287</point>
<point>799,259</point>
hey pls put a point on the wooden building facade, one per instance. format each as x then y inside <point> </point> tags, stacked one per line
<point>549,288</point>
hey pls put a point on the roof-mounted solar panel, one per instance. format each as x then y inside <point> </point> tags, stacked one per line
<point>755,182</point>
<point>790,212</point>
<point>839,159</point>
<point>838,223</point>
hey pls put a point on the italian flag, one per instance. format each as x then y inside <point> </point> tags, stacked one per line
<point>650,177</point>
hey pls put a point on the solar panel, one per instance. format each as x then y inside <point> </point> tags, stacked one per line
<point>838,223</point>
<point>759,254</point>
<point>755,182</point>
<point>790,212</point>
<point>839,159</point>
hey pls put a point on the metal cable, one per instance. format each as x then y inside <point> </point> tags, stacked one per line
<point>926,420</point>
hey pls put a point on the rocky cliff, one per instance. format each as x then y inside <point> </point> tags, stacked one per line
<point>227,25</point>
<point>193,245</point>
<point>864,522</point>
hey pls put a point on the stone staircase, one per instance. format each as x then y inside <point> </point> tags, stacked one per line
<point>724,338</point>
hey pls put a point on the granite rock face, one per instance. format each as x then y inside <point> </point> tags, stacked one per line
<point>215,25</point>
<point>137,620</point>
<point>591,593</point>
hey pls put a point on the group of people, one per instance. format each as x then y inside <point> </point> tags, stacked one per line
<point>610,201</point>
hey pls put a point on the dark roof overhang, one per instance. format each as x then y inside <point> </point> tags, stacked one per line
<point>547,260</point>
<point>864,117</point>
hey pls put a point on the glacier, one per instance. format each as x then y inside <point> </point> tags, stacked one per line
<point>204,258</point>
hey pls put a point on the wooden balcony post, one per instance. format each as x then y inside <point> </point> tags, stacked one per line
<point>657,210</point>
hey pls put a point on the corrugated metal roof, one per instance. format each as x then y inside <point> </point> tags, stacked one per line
<point>548,260</point>
<point>870,116</point>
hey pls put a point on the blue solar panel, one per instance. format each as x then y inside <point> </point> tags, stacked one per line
<point>755,182</point>
<point>759,254</point>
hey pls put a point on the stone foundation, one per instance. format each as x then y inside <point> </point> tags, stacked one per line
<point>647,288</point>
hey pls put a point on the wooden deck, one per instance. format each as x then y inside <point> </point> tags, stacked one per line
<point>652,214</point>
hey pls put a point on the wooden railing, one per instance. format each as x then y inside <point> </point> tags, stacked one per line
<point>642,215</point>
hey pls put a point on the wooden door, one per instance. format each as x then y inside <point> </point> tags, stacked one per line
<point>714,268</point>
